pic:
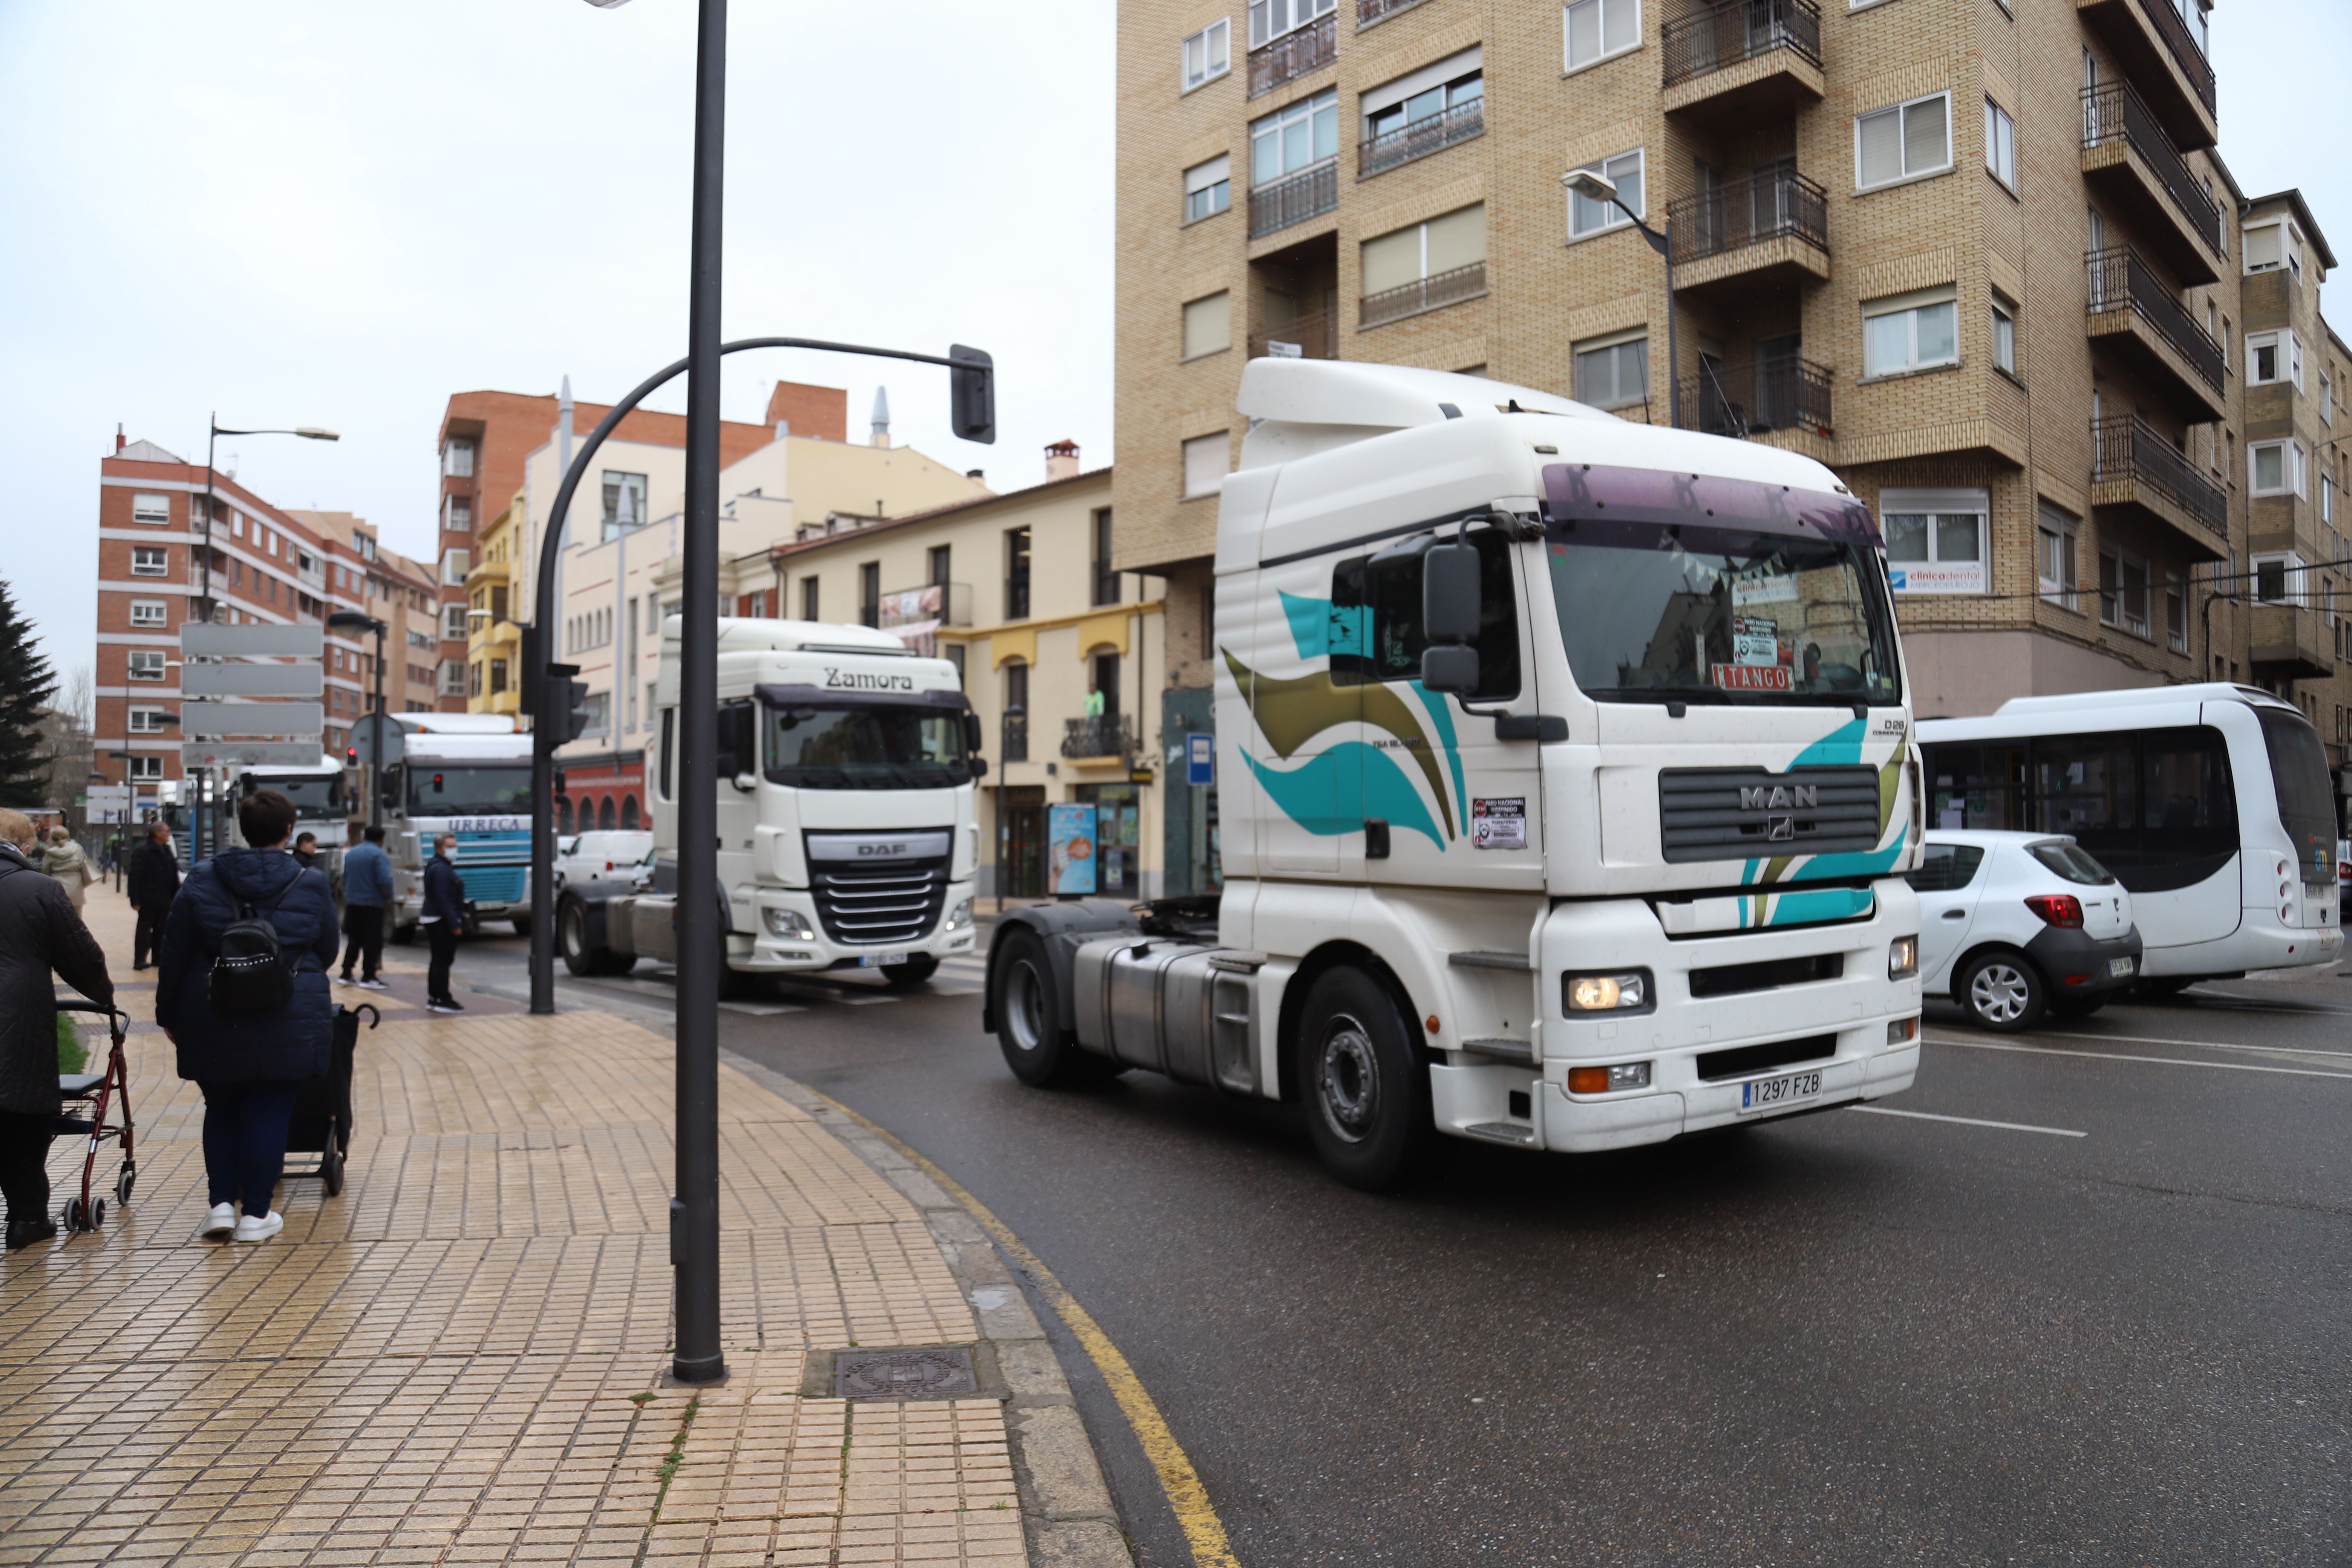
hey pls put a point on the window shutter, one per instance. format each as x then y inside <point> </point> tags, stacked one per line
<point>1926,136</point>
<point>1880,153</point>
<point>1393,260</point>
<point>1457,239</point>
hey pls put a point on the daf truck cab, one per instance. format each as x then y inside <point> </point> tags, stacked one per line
<point>1566,780</point>
<point>846,838</point>
<point>467,775</point>
<point>321,807</point>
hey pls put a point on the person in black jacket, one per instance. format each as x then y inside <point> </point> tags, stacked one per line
<point>443,919</point>
<point>39,933</point>
<point>249,1065</point>
<point>151,880</point>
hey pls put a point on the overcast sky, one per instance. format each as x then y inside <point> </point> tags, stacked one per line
<point>337,214</point>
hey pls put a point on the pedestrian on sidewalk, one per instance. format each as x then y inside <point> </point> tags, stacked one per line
<point>63,860</point>
<point>305,850</point>
<point>39,935</point>
<point>444,918</point>
<point>249,1064</point>
<point>367,897</point>
<point>152,879</point>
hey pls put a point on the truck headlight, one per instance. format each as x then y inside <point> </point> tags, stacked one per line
<point>1902,958</point>
<point>1602,1080</point>
<point>959,917</point>
<point>1626,991</point>
<point>790,924</point>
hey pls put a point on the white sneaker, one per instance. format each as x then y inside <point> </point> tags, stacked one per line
<point>219,1220</point>
<point>262,1230</point>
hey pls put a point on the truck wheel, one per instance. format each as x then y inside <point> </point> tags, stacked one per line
<point>735,986</point>
<point>1367,1092</point>
<point>521,927</point>
<point>914,971</point>
<point>405,936</point>
<point>571,936</point>
<point>1037,1046</point>
<point>2002,991</point>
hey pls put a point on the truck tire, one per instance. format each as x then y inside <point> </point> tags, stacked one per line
<point>405,936</point>
<point>521,927</point>
<point>1365,1086</point>
<point>1038,1044</point>
<point>571,936</point>
<point>2002,991</point>
<point>914,971</point>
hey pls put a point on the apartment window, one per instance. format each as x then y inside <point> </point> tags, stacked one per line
<point>146,664</point>
<point>1613,371</point>
<point>153,510</point>
<point>1440,246</point>
<point>1206,462</point>
<point>624,502</point>
<point>2327,501</point>
<point>2326,398</point>
<point>2000,144</point>
<point>1209,324</point>
<point>457,515</point>
<point>498,676</point>
<point>1016,574</point>
<point>457,459</point>
<point>1936,539</point>
<point>1209,188</point>
<point>2123,591</point>
<point>1910,332</point>
<point>2004,334</point>
<point>869,594</point>
<point>809,599</point>
<point>147,612</point>
<point>1289,140</point>
<point>453,678</point>
<point>1105,576</point>
<point>2056,556</point>
<point>498,605</point>
<point>453,622</point>
<point>1451,83</point>
<point>145,768</point>
<point>2271,246</point>
<point>1596,29</point>
<point>941,561</point>
<point>149,720</point>
<point>2278,579</point>
<point>2176,614</point>
<point>149,561</point>
<point>1586,215</point>
<point>1269,19</point>
<point>1209,54</point>
<point>1902,143</point>
<point>2276,468</point>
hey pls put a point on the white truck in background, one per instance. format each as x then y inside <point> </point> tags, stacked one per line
<point>847,835</point>
<point>322,806</point>
<point>467,775</point>
<point>1566,782</point>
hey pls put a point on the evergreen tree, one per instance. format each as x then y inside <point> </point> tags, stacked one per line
<point>27,685</point>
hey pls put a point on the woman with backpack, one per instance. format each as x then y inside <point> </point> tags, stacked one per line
<point>243,994</point>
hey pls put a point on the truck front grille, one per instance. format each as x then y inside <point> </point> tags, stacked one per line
<point>1747,813</point>
<point>1737,979</point>
<point>879,906</point>
<point>1747,1061</point>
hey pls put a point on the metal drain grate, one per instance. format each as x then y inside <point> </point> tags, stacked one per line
<point>941,1373</point>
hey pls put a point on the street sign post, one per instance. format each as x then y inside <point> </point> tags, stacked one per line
<point>247,753</point>
<point>217,639</point>
<point>253,679</point>
<point>207,720</point>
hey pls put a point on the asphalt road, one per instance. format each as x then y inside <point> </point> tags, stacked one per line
<point>1849,1339</point>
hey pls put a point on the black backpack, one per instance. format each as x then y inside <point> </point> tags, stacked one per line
<point>251,975</point>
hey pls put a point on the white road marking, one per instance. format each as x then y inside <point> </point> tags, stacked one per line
<point>1966,1120</point>
<point>2160,1061</point>
<point>763,1009</point>
<point>2199,1044</point>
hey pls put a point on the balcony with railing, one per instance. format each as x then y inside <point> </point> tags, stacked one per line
<point>1448,288</point>
<point>1310,193</point>
<point>1013,737</point>
<point>1782,396</point>
<point>2138,471</point>
<point>2139,317</point>
<point>1430,133</point>
<point>2291,642</point>
<point>2164,60</point>
<point>1769,227</point>
<point>2128,158</point>
<point>1743,58</point>
<point>1104,737</point>
<point>1295,54</point>
<point>1311,334</point>
<point>1369,12</point>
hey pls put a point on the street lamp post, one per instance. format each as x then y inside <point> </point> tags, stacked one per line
<point>353,620</point>
<point>1596,187</point>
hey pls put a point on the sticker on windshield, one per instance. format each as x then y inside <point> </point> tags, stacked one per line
<point>1763,588</point>
<point>1754,641</point>
<point>1500,824</point>
<point>1754,678</point>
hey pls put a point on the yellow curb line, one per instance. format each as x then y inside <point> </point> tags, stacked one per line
<point>1186,1495</point>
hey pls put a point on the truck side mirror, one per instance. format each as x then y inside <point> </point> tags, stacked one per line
<point>972,736</point>
<point>1449,617</point>
<point>1450,667</point>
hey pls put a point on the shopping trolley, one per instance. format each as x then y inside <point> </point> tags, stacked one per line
<point>99,1093</point>
<point>321,1123</point>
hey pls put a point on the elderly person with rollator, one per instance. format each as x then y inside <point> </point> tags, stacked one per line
<point>39,935</point>
<point>243,995</point>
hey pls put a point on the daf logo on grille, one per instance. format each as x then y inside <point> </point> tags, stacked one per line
<point>1779,797</point>
<point>1782,829</point>
<point>883,850</point>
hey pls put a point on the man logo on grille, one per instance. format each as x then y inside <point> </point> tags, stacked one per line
<point>1776,797</point>
<point>1782,829</point>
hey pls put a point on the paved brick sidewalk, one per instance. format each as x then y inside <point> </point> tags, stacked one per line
<point>462,1358</point>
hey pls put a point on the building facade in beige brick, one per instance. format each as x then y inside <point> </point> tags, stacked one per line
<point>1983,260</point>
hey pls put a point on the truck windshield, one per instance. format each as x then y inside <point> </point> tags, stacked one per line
<point>435,791</point>
<point>2306,804</point>
<point>1674,587</point>
<point>865,748</point>
<point>314,794</point>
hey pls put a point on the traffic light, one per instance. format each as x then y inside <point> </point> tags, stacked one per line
<point>350,757</point>
<point>971,394</point>
<point>565,711</point>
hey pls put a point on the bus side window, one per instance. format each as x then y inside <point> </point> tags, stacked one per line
<point>2188,789</point>
<point>669,725</point>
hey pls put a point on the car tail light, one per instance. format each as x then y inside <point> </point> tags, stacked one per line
<point>2062,910</point>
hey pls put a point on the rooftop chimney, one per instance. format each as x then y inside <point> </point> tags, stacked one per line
<point>981,474</point>
<point>1061,461</point>
<point>117,437</point>
<point>881,416</point>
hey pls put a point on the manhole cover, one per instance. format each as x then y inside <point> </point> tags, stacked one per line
<point>904,1374</point>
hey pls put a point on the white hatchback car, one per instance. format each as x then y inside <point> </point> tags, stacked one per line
<point>2014,925</point>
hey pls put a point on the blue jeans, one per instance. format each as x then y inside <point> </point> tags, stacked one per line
<point>245,1140</point>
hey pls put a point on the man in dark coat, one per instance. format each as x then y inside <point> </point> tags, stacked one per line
<point>249,1065</point>
<point>151,880</point>
<point>443,919</point>
<point>39,933</point>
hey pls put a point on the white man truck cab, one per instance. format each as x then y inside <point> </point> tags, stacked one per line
<point>846,838</point>
<point>1566,784</point>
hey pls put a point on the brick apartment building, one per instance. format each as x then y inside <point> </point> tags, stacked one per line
<point>1978,256</point>
<point>266,564</point>
<point>486,439</point>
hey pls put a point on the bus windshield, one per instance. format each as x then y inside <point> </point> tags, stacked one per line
<point>435,790</point>
<point>314,794</point>
<point>1692,588</point>
<point>2307,805</point>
